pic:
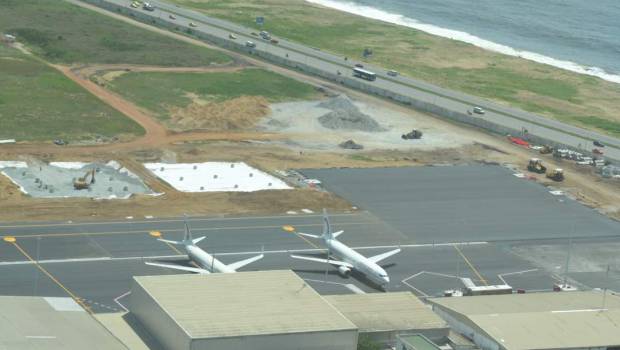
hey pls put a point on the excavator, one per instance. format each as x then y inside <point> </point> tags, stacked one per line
<point>83,183</point>
<point>536,166</point>
<point>556,174</point>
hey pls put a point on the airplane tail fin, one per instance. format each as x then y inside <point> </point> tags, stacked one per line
<point>187,237</point>
<point>327,228</point>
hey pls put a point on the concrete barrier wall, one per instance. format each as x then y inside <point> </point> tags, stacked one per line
<point>347,81</point>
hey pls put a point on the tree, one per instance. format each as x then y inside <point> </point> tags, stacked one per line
<point>365,343</point>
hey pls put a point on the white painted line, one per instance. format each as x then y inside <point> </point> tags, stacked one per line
<point>355,289</point>
<point>116,300</point>
<point>326,282</point>
<point>416,289</point>
<point>309,250</point>
<point>501,275</point>
<point>584,310</point>
<point>41,337</point>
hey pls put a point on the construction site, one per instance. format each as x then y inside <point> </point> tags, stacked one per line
<point>244,148</point>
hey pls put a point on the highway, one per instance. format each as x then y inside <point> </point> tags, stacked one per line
<point>455,101</point>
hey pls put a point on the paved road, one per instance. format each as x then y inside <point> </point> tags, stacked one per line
<point>327,62</point>
<point>96,260</point>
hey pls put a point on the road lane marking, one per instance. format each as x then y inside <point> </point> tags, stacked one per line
<point>104,233</point>
<point>471,266</point>
<point>501,275</point>
<point>174,220</point>
<point>75,297</point>
<point>116,300</point>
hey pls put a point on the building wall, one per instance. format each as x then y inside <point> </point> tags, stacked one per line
<point>336,340</point>
<point>466,329</point>
<point>390,337</point>
<point>156,321</point>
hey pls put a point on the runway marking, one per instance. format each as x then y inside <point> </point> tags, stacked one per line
<point>76,298</point>
<point>116,300</point>
<point>412,287</point>
<point>355,289</point>
<point>279,251</point>
<point>105,233</point>
<point>471,266</point>
<point>501,275</point>
<point>174,220</point>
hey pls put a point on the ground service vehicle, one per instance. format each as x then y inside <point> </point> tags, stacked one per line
<point>556,174</point>
<point>364,74</point>
<point>535,165</point>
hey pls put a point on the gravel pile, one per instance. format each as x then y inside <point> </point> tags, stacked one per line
<point>350,144</point>
<point>345,115</point>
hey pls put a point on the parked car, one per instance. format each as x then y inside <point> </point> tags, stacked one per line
<point>392,73</point>
<point>192,24</point>
<point>172,17</point>
<point>478,110</point>
<point>60,142</point>
<point>135,4</point>
<point>359,65</point>
<point>232,36</point>
<point>598,144</point>
<point>274,41</point>
<point>250,44</point>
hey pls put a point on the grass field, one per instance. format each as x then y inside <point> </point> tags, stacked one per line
<point>64,33</point>
<point>158,91</point>
<point>570,97</point>
<point>38,103</point>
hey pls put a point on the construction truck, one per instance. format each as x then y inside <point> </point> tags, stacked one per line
<point>83,183</point>
<point>536,166</point>
<point>546,149</point>
<point>556,174</point>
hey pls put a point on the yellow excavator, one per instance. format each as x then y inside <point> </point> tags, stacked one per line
<point>83,183</point>
<point>556,174</point>
<point>536,166</point>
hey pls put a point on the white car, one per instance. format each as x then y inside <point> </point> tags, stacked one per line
<point>172,17</point>
<point>478,110</point>
<point>192,24</point>
<point>232,36</point>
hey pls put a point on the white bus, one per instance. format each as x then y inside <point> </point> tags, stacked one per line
<point>364,74</point>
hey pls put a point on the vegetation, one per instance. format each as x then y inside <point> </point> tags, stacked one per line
<point>543,89</point>
<point>364,342</point>
<point>157,91</point>
<point>61,32</point>
<point>39,103</point>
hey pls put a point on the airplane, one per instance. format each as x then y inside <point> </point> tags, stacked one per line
<point>206,262</point>
<point>347,258</point>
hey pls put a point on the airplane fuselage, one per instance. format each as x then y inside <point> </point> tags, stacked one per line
<point>206,260</point>
<point>360,263</point>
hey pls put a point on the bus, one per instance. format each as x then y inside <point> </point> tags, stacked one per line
<point>364,74</point>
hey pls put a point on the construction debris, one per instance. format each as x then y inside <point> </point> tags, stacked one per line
<point>346,115</point>
<point>412,135</point>
<point>350,144</point>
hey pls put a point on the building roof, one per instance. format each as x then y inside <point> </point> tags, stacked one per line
<point>30,323</point>
<point>243,303</point>
<point>541,320</point>
<point>418,342</point>
<point>386,311</point>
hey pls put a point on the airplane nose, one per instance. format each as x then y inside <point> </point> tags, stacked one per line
<point>386,280</point>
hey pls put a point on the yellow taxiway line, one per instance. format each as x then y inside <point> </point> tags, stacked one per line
<point>471,266</point>
<point>13,241</point>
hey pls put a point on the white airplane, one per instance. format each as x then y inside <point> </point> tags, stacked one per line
<point>207,263</point>
<point>347,258</point>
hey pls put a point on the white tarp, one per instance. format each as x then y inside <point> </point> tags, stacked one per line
<point>215,177</point>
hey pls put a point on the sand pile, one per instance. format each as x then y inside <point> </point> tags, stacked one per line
<point>240,113</point>
<point>346,115</point>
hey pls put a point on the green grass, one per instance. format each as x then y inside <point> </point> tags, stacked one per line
<point>451,64</point>
<point>157,91</point>
<point>64,33</point>
<point>38,103</point>
<point>599,123</point>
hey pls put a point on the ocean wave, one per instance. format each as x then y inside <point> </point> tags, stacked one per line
<point>374,13</point>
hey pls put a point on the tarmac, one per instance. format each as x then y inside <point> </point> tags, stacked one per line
<point>95,261</point>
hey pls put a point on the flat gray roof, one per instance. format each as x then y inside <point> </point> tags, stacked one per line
<point>386,311</point>
<point>51,323</point>
<point>542,320</point>
<point>243,303</point>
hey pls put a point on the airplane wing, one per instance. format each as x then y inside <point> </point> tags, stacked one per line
<point>179,267</point>
<point>328,261</point>
<point>242,263</point>
<point>337,233</point>
<point>383,256</point>
<point>308,235</point>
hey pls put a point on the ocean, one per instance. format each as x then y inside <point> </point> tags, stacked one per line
<point>575,35</point>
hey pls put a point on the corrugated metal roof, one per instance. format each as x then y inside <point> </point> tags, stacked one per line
<point>243,303</point>
<point>386,311</point>
<point>418,342</point>
<point>542,320</point>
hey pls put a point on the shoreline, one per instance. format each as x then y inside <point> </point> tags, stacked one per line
<point>400,20</point>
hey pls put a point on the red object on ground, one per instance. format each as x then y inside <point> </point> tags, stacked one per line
<point>519,141</point>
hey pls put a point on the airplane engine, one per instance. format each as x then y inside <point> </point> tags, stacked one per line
<point>344,271</point>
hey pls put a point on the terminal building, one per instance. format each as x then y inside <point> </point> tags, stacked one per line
<point>536,321</point>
